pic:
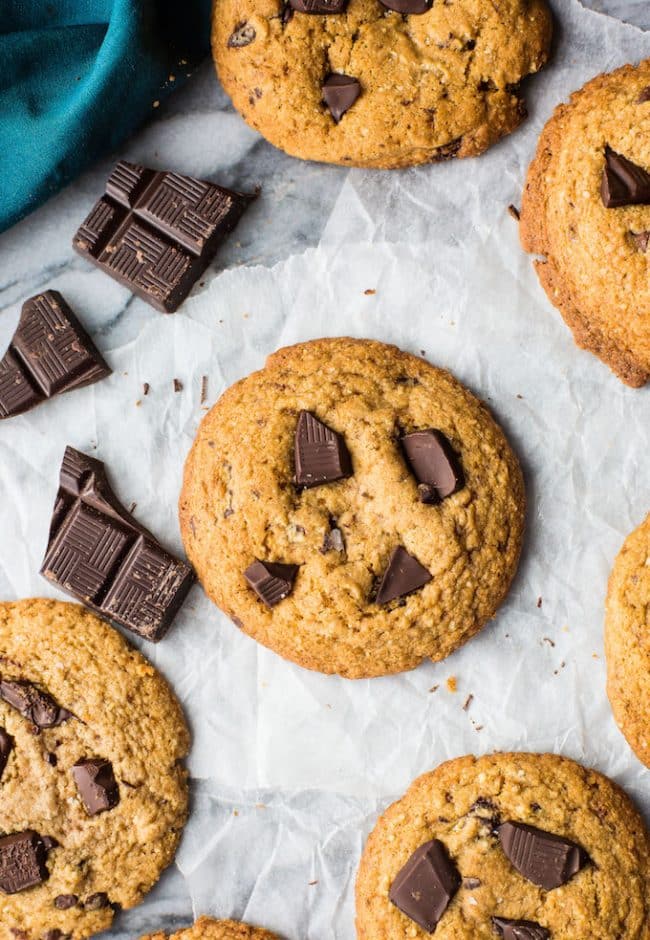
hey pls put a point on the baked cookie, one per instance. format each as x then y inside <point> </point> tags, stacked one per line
<point>353,508</point>
<point>93,794</point>
<point>207,929</point>
<point>627,640</point>
<point>521,846</point>
<point>380,84</point>
<point>586,210</point>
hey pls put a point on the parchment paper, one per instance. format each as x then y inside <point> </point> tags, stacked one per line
<point>289,768</point>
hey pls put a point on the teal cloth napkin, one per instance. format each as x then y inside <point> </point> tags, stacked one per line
<point>77,77</point>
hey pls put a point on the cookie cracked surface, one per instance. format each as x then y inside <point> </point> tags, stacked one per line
<point>595,264</point>
<point>627,640</point>
<point>206,928</point>
<point>463,803</point>
<point>72,690</point>
<point>432,85</point>
<point>240,502</point>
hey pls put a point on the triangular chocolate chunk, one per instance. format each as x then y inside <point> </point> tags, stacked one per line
<point>640,240</point>
<point>403,575</point>
<point>319,6</point>
<point>271,581</point>
<point>23,861</point>
<point>321,455</point>
<point>425,886</point>
<point>546,859</point>
<point>434,464</point>
<point>520,929</point>
<point>339,94</point>
<point>623,183</point>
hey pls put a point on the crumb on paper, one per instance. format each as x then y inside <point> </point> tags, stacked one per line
<point>235,812</point>
<point>468,702</point>
<point>539,601</point>
<point>369,291</point>
<point>557,671</point>
<point>178,385</point>
<point>514,212</point>
<point>452,684</point>
<point>520,397</point>
<point>434,688</point>
<point>156,104</point>
<point>547,639</point>
<point>138,403</point>
<point>595,656</point>
<point>260,806</point>
<point>145,388</point>
<point>132,507</point>
<point>204,388</point>
<point>311,883</point>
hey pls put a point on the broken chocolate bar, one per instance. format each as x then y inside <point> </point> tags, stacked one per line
<point>98,553</point>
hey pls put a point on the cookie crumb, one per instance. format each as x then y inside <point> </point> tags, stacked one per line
<point>547,639</point>
<point>145,388</point>
<point>204,388</point>
<point>434,688</point>
<point>452,684</point>
<point>468,702</point>
<point>178,385</point>
<point>369,291</point>
<point>514,212</point>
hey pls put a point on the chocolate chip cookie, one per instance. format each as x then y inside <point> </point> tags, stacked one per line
<point>206,928</point>
<point>586,211</point>
<point>627,640</point>
<point>380,84</point>
<point>519,846</point>
<point>93,792</point>
<point>353,508</point>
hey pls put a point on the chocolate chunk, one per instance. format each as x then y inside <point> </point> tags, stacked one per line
<point>271,581</point>
<point>50,353</point>
<point>63,902</point>
<point>623,182</point>
<point>33,703</point>
<point>434,464</point>
<point>333,541</point>
<point>403,575</point>
<point>6,747</point>
<point>23,857</point>
<point>156,233</point>
<point>546,859</point>
<point>640,240</point>
<point>321,455</point>
<point>98,553</point>
<point>242,35</point>
<point>644,95</point>
<point>408,6</point>
<point>319,6</point>
<point>520,929</point>
<point>53,935</point>
<point>425,886</point>
<point>96,784</point>
<point>97,901</point>
<point>339,94</point>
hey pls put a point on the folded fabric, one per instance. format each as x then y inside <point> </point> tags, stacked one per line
<point>77,77</point>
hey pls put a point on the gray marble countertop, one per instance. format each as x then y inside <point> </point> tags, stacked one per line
<point>197,132</point>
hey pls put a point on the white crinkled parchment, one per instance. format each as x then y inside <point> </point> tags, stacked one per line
<point>290,768</point>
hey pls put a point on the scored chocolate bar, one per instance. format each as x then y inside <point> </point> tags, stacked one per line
<point>98,553</point>
<point>49,353</point>
<point>157,232</point>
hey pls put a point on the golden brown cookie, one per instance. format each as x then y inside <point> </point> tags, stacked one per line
<point>486,834</point>
<point>368,86</point>
<point>93,792</point>
<point>391,536</point>
<point>627,640</point>
<point>581,212</point>
<point>206,928</point>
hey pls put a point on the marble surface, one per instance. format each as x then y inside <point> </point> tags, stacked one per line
<point>325,225</point>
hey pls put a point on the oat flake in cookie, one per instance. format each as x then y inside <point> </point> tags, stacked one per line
<point>93,795</point>
<point>304,519</point>
<point>586,212</point>
<point>462,854</point>
<point>206,928</point>
<point>627,640</point>
<point>380,84</point>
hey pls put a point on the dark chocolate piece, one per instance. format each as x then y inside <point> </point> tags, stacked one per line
<point>96,785</point>
<point>33,703</point>
<point>63,902</point>
<point>97,901</point>
<point>157,232</point>
<point>271,581</point>
<point>6,747</point>
<point>98,553</point>
<point>644,95</point>
<point>242,35</point>
<point>403,575</point>
<point>23,857</point>
<point>546,859</point>
<point>339,94</point>
<point>321,455</point>
<point>425,886</point>
<point>319,6</point>
<point>640,240</point>
<point>50,353</point>
<point>623,182</point>
<point>333,541</point>
<point>434,464</point>
<point>520,929</point>
<point>408,6</point>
